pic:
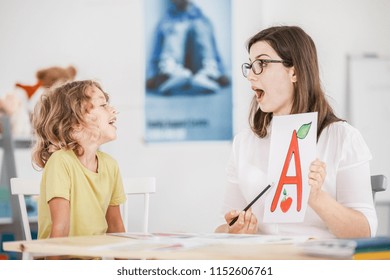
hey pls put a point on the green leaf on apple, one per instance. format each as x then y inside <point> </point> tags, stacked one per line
<point>303,131</point>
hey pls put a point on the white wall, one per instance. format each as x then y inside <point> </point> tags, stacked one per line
<point>338,28</point>
<point>104,39</point>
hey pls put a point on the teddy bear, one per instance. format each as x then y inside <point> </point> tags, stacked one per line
<point>19,104</point>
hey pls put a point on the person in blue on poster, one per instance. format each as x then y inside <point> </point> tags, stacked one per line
<point>185,58</point>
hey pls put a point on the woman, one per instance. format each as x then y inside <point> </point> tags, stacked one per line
<point>284,75</point>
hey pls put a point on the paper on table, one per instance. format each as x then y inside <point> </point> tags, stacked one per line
<point>179,241</point>
<point>134,235</point>
<point>253,238</point>
<point>157,235</point>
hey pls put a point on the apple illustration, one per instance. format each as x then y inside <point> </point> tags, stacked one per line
<point>286,202</point>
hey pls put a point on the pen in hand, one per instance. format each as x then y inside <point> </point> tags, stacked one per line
<point>250,204</point>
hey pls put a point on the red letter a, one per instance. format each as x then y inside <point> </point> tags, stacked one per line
<point>284,179</point>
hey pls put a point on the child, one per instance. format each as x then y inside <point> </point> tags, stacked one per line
<point>81,187</point>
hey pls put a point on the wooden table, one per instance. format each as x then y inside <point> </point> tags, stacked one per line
<point>109,246</point>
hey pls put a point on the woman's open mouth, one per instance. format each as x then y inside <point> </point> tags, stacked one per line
<point>259,93</point>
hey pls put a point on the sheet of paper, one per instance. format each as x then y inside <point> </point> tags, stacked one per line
<point>293,148</point>
<point>182,241</point>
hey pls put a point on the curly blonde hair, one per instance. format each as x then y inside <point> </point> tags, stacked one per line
<point>60,110</point>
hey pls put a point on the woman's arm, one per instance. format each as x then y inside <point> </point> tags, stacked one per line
<point>352,188</point>
<point>114,219</point>
<point>342,221</point>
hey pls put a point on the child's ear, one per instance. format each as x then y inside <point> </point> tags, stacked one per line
<point>77,131</point>
<point>77,128</point>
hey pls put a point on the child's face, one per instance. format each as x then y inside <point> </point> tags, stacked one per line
<point>102,115</point>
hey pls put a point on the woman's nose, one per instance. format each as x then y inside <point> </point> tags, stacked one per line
<point>251,75</point>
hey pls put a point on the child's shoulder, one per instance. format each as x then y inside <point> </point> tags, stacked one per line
<point>61,158</point>
<point>106,157</point>
<point>62,154</point>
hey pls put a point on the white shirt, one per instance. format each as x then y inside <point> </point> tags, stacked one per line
<point>348,180</point>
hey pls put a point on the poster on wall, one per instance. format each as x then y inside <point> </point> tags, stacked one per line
<point>188,85</point>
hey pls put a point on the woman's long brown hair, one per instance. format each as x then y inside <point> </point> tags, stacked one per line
<point>297,49</point>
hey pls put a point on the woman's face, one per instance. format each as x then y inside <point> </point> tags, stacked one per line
<point>274,87</point>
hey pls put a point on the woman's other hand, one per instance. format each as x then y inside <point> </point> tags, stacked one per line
<point>317,174</point>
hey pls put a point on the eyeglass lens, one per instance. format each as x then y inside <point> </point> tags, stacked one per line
<point>256,66</point>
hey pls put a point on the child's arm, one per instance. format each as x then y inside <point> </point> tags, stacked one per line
<point>60,217</point>
<point>114,219</point>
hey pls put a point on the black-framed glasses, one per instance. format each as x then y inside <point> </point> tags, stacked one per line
<point>257,66</point>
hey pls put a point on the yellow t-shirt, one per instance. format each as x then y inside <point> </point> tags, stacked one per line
<point>89,193</point>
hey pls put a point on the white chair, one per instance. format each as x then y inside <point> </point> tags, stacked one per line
<point>133,186</point>
<point>21,188</point>
<point>143,185</point>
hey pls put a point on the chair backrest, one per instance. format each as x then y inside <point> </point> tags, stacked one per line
<point>378,184</point>
<point>134,186</point>
<point>23,187</point>
<point>142,185</point>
